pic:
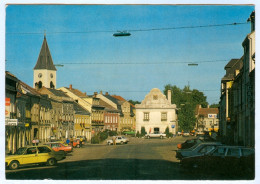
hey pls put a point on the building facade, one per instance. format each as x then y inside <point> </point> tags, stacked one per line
<point>156,113</point>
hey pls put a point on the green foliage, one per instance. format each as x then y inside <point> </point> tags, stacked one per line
<point>214,106</point>
<point>134,102</point>
<point>138,134</point>
<point>167,132</point>
<point>112,133</point>
<point>186,100</point>
<point>103,135</point>
<point>143,131</point>
<point>95,139</point>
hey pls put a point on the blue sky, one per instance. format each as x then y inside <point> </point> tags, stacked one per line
<point>131,81</point>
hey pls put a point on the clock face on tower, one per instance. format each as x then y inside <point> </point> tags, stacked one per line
<point>51,75</point>
<point>39,75</point>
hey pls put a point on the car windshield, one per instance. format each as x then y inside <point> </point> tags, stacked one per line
<point>20,151</point>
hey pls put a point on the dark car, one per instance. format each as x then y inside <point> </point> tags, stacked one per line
<point>197,149</point>
<point>189,143</point>
<point>224,159</point>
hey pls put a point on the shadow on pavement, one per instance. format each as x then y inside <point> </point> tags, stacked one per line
<point>118,169</point>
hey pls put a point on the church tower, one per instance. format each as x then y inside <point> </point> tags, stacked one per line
<point>44,72</point>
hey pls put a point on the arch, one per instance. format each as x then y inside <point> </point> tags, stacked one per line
<point>52,85</point>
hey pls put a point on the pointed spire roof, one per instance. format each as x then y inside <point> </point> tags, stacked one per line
<point>45,60</point>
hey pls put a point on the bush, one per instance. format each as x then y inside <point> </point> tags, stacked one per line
<point>103,135</point>
<point>143,131</point>
<point>95,139</point>
<point>112,133</point>
<point>138,134</point>
<point>167,132</point>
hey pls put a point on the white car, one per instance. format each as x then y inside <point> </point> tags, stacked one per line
<point>119,140</point>
<point>155,135</point>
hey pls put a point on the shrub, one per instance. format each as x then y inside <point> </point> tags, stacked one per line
<point>143,131</point>
<point>112,133</point>
<point>95,139</point>
<point>103,135</point>
<point>138,134</point>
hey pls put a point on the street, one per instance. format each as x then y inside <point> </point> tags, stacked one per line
<point>140,159</point>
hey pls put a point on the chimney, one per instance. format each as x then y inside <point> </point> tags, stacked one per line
<point>95,94</point>
<point>101,92</point>
<point>70,86</point>
<point>106,93</point>
<point>170,96</point>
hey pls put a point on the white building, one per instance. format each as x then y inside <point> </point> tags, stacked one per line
<point>156,113</point>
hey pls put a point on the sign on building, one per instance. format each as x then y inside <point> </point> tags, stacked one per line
<point>11,122</point>
<point>212,116</point>
<point>7,107</point>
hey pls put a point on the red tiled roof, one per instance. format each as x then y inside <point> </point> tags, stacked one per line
<point>206,111</point>
<point>118,97</point>
<point>77,92</point>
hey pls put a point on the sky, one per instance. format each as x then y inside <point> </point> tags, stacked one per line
<point>148,59</point>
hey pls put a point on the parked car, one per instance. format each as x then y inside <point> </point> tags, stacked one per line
<point>33,155</point>
<point>155,135</point>
<point>186,134</point>
<point>224,159</point>
<point>189,143</point>
<point>197,149</point>
<point>119,140</point>
<point>56,146</point>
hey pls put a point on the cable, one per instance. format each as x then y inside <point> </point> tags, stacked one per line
<point>136,30</point>
<point>152,63</point>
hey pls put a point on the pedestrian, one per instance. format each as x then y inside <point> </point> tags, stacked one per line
<point>114,140</point>
<point>80,141</point>
<point>68,141</point>
<point>34,142</point>
<point>37,141</point>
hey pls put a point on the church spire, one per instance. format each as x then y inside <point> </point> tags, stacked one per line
<point>45,60</point>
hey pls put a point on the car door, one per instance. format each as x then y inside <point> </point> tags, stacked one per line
<point>215,160</point>
<point>43,153</point>
<point>29,156</point>
<point>232,159</point>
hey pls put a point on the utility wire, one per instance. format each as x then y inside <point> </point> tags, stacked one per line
<point>142,63</point>
<point>133,30</point>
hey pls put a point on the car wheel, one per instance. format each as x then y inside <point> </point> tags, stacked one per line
<point>51,162</point>
<point>121,142</point>
<point>14,165</point>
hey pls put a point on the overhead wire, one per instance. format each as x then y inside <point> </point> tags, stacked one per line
<point>134,30</point>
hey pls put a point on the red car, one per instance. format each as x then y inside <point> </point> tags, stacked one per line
<point>56,146</point>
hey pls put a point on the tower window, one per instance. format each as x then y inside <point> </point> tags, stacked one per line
<point>52,85</point>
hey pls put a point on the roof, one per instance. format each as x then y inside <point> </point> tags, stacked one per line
<point>118,97</point>
<point>231,63</point>
<point>57,92</point>
<point>77,92</point>
<point>44,59</point>
<point>231,67</point>
<point>80,110</point>
<point>206,111</point>
<point>28,89</point>
<point>107,106</point>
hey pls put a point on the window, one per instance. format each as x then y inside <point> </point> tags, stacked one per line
<point>146,116</point>
<point>233,152</point>
<point>207,149</point>
<point>44,149</point>
<point>219,152</point>
<point>31,151</point>
<point>164,116</point>
<point>155,97</point>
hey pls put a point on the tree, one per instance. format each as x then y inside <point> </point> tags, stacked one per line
<point>186,101</point>
<point>134,102</point>
<point>214,106</point>
<point>143,131</point>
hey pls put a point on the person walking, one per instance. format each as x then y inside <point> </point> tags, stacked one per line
<point>37,141</point>
<point>114,140</point>
<point>34,142</point>
<point>80,142</point>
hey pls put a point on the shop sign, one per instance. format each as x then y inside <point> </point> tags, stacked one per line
<point>11,122</point>
<point>212,115</point>
<point>7,107</point>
